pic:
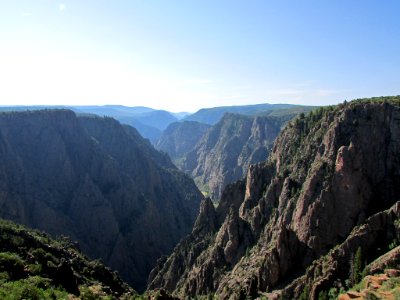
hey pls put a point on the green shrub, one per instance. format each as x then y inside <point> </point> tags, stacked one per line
<point>9,257</point>
<point>323,295</point>
<point>391,283</point>
<point>12,264</point>
<point>87,294</point>
<point>17,241</point>
<point>29,289</point>
<point>35,269</point>
<point>393,244</point>
<point>356,268</point>
<point>371,296</point>
<point>304,293</point>
<point>4,277</point>
<point>38,253</point>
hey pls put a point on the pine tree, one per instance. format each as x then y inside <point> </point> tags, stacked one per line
<point>356,267</point>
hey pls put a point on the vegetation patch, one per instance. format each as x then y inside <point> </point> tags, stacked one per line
<point>35,266</point>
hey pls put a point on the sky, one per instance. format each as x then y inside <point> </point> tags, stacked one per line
<point>182,55</point>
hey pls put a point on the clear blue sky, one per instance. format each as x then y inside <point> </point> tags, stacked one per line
<point>183,55</point>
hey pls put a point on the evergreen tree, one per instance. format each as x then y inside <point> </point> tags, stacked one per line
<point>356,267</point>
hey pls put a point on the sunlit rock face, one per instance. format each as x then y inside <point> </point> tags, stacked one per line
<point>331,183</point>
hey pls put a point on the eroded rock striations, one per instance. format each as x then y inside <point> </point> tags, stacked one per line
<point>179,138</point>
<point>226,150</point>
<point>330,186</point>
<point>98,182</point>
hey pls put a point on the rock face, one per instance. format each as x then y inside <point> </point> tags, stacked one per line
<point>332,179</point>
<point>226,150</point>
<point>98,182</point>
<point>181,137</point>
<point>331,271</point>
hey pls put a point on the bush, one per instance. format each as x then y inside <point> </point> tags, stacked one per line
<point>304,293</point>
<point>323,295</point>
<point>12,264</point>
<point>35,269</point>
<point>30,289</point>
<point>356,268</point>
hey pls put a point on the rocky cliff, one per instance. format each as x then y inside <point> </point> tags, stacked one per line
<point>98,182</point>
<point>226,150</point>
<point>181,137</point>
<point>291,228</point>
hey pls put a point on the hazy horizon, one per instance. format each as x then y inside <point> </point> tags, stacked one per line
<point>183,56</point>
<point>137,106</point>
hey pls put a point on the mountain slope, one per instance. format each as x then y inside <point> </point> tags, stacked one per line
<point>34,266</point>
<point>332,172</point>
<point>98,182</point>
<point>180,138</point>
<point>159,119</point>
<point>226,150</point>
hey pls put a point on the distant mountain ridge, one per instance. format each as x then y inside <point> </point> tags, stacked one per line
<point>214,115</point>
<point>98,182</point>
<point>148,121</point>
